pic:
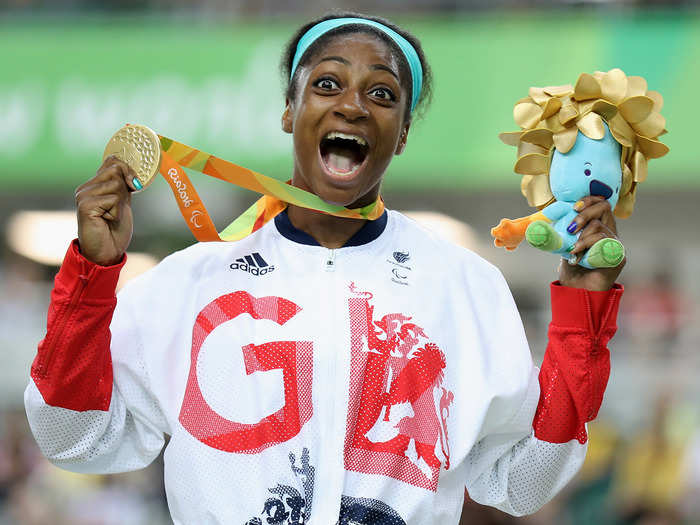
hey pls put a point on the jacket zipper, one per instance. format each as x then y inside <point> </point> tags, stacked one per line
<point>44,364</point>
<point>330,260</point>
<point>329,509</point>
<point>596,340</point>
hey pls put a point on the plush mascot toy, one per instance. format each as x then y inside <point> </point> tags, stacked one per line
<point>590,139</point>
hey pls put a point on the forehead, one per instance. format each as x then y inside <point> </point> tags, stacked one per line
<point>363,47</point>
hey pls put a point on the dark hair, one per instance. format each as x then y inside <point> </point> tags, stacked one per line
<point>404,70</point>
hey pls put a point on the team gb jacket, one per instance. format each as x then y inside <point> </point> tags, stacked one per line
<point>301,385</point>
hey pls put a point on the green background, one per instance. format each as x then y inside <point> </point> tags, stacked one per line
<point>66,86</point>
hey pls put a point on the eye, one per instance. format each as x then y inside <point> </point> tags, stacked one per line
<point>383,93</point>
<point>587,172</point>
<point>326,84</point>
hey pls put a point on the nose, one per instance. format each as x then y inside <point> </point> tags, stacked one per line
<point>600,188</point>
<point>351,106</point>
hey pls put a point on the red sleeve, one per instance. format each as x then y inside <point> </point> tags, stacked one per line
<point>73,367</point>
<point>576,364</point>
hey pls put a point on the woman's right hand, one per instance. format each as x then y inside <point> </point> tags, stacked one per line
<point>105,221</point>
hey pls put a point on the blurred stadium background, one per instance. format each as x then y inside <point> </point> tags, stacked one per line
<point>206,73</point>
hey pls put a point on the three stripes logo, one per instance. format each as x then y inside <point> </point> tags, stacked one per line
<point>254,264</point>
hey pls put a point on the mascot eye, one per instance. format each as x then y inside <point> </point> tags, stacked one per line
<point>587,172</point>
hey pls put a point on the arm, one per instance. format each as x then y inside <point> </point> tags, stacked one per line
<point>85,415</point>
<point>90,406</point>
<point>509,233</point>
<point>533,454</point>
<point>576,364</point>
<point>87,412</point>
<point>526,459</point>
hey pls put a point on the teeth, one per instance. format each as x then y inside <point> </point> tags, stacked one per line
<point>339,135</point>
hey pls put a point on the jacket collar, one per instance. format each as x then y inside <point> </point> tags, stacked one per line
<point>369,231</point>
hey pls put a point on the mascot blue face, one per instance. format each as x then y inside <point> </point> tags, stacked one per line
<point>591,167</point>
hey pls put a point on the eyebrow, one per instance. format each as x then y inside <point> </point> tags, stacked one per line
<point>375,67</point>
<point>335,59</point>
<point>384,68</point>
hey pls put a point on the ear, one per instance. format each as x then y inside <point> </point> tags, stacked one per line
<point>402,139</point>
<point>287,118</point>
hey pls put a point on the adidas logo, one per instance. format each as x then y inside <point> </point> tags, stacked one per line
<point>254,264</point>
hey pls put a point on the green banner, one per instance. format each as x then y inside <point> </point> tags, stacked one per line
<point>65,87</point>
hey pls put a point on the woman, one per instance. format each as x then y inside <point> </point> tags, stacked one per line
<point>349,383</point>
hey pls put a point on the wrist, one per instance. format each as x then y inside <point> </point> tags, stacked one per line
<point>99,260</point>
<point>579,307</point>
<point>591,287</point>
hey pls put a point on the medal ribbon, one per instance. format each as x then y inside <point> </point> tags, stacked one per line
<point>276,194</point>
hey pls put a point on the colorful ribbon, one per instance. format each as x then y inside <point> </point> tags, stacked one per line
<point>276,194</point>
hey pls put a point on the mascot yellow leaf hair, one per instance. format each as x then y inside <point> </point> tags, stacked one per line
<point>594,138</point>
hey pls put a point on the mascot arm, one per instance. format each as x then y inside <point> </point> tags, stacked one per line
<point>510,232</point>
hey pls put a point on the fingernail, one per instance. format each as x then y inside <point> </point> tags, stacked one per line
<point>571,228</point>
<point>578,206</point>
<point>137,184</point>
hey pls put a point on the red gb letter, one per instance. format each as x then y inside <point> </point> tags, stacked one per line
<point>294,358</point>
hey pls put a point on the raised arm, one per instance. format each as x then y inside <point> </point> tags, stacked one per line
<point>87,412</point>
<point>526,458</point>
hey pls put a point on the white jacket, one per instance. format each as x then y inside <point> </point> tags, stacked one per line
<point>366,384</point>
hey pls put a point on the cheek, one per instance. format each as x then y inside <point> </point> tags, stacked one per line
<point>303,137</point>
<point>392,136</point>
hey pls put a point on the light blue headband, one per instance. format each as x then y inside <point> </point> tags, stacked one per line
<point>404,45</point>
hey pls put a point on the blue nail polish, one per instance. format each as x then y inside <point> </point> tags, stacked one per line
<point>571,228</point>
<point>137,184</point>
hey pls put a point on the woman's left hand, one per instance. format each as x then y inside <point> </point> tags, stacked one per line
<point>595,221</point>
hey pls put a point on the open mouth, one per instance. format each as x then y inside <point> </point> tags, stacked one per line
<point>342,153</point>
<point>600,189</point>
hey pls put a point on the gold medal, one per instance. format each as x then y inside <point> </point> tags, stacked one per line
<point>139,147</point>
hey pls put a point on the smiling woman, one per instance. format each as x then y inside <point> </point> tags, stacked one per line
<point>347,120</point>
<point>354,84</point>
<point>322,369</point>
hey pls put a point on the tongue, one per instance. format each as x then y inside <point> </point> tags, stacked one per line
<point>340,160</point>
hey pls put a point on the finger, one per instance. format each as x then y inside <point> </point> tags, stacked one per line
<point>600,211</point>
<point>594,227</point>
<point>586,201</point>
<point>103,206</point>
<point>584,244</point>
<point>113,161</point>
<point>115,185</point>
<point>105,172</point>
<point>574,259</point>
<point>597,210</point>
<point>127,173</point>
<point>110,159</point>
<point>114,166</point>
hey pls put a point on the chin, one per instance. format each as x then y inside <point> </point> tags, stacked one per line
<point>339,196</point>
<point>343,190</point>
